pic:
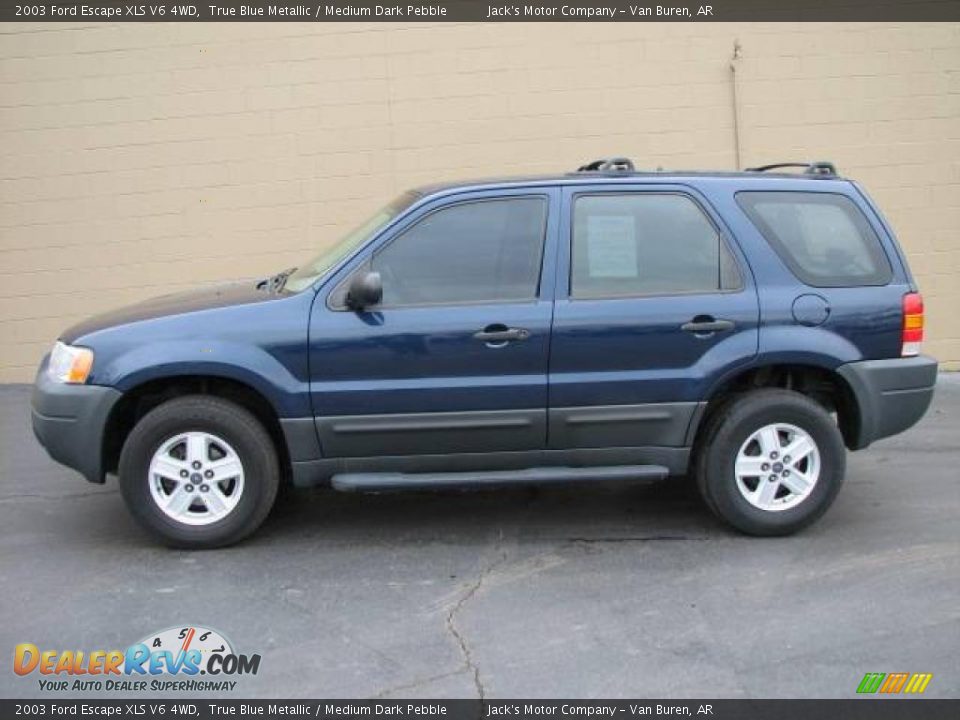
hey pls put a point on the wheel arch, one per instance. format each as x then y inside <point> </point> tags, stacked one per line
<point>141,398</point>
<point>820,382</point>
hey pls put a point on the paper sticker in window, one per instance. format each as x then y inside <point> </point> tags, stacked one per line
<point>611,246</point>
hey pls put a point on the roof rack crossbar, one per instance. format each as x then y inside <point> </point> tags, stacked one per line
<point>613,164</point>
<point>818,167</point>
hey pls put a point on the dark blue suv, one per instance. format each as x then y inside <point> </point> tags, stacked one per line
<point>607,324</point>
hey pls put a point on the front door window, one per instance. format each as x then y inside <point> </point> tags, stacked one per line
<point>485,251</point>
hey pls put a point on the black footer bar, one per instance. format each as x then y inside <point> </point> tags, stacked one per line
<point>874,708</point>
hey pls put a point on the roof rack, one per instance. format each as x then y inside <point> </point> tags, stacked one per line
<point>614,164</point>
<point>819,167</point>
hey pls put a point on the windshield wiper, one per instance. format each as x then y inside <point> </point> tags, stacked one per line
<point>275,283</point>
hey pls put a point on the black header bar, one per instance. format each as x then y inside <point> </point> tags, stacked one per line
<point>89,11</point>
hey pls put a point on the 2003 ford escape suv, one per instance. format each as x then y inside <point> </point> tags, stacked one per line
<point>604,324</point>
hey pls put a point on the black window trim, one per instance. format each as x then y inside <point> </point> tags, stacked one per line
<point>798,272</point>
<point>336,299</point>
<point>738,288</point>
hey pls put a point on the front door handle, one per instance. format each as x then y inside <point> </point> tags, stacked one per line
<point>498,335</point>
<point>706,325</point>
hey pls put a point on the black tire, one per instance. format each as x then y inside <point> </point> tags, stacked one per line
<point>728,429</point>
<point>221,418</point>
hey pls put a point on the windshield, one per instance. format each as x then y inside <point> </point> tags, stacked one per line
<point>315,268</point>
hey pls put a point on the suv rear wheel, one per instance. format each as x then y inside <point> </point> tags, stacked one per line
<point>199,472</point>
<point>771,462</point>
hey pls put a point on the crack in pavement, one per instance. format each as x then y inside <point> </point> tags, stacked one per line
<point>64,496</point>
<point>469,665</point>
<point>285,598</point>
<point>638,538</point>
<point>413,684</point>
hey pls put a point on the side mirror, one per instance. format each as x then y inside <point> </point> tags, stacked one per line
<point>365,290</point>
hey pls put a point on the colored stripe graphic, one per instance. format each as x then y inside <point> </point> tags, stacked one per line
<point>894,683</point>
<point>918,682</point>
<point>871,682</point>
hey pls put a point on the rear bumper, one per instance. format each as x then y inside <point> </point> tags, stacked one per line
<point>69,422</point>
<point>892,395</point>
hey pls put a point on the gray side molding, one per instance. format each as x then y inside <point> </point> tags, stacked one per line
<point>654,424</point>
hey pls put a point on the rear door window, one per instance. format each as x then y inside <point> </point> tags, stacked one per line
<point>823,238</point>
<point>645,243</point>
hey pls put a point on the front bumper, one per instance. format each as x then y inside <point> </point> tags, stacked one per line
<point>892,395</point>
<point>69,421</point>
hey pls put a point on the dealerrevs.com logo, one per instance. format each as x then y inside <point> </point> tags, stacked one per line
<point>169,661</point>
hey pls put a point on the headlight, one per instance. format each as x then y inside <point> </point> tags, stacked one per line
<point>70,364</point>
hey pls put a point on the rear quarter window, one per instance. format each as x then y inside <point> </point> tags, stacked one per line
<point>823,238</point>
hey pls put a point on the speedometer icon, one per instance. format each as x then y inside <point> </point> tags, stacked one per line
<point>183,638</point>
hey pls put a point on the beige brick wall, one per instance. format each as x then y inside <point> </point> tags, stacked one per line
<point>139,159</point>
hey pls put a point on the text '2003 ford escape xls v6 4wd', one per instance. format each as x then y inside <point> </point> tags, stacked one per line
<point>601,325</point>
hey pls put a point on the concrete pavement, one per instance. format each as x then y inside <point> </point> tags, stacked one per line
<point>579,592</point>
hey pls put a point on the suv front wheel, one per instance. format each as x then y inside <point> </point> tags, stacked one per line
<point>771,462</point>
<point>199,472</point>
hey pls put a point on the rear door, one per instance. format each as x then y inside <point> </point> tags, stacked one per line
<point>654,304</point>
<point>454,359</point>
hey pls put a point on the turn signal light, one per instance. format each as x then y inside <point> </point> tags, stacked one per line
<point>912,324</point>
<point>70,364</point>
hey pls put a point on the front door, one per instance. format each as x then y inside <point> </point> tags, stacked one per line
<point>454,358</point>
<point>654,304</point>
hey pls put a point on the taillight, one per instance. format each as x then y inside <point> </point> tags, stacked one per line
<point>912,324</point>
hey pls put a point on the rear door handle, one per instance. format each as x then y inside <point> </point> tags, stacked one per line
<point>706,325</point>
<point>500,334</point>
